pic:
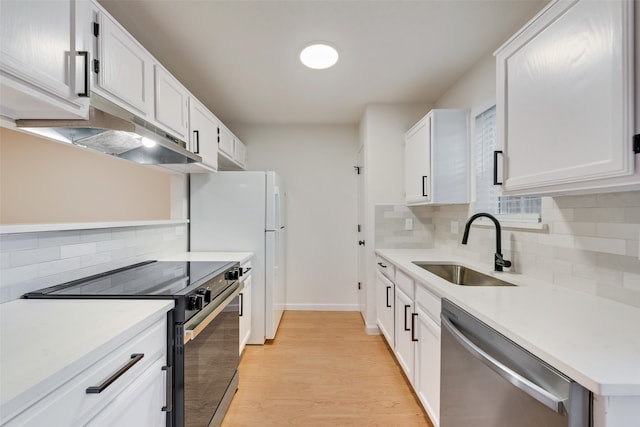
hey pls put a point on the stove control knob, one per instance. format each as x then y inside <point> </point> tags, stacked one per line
<point>206,294</point>
<point>192,302</point>
<point>231,274</point>
<point>199,302</point>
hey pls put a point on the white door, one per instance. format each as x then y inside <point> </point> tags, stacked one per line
<point>172,103</point>
<point>427,364</point>
<point>38,73</point>
<point>204,133</point>
<point>275,292</point>
<point>384,307</point>
<point>276,202</point>
<point>403,332</point>
<point>362,254</point>
<point>418,162</point>
<point>125,75</point>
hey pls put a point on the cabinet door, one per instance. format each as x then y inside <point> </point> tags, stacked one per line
<point>404,343</point>
<point>172,103</point>
<point>427,364</point>
<point>38,73</point>
<point>384,307</point>
<point>140,404</point>
<point>245,313</point>
<point>225,141</point>
<point>204,133</point>
<point>565,96</point>
<point>418,162</point>
<point>240,152</point>
<point>125,73</point>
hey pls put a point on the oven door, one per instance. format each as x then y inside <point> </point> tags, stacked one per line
<point>211,360</point>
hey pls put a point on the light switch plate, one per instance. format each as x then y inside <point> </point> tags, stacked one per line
<point>408,223</point>
<point>454,227</point>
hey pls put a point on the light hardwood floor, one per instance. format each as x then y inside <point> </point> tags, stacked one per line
<point>323,370</point>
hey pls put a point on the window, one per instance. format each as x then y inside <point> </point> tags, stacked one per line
<point>488,199</point>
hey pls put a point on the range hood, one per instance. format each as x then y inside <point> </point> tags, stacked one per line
<point>113,130</point>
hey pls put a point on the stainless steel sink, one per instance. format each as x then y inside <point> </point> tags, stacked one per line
<point>461,275</point>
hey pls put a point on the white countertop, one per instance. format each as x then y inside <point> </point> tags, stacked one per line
<point>240,257</point>
<point>44,343</point>
<point>593,340</point>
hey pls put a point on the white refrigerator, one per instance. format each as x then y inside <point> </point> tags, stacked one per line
<point>245,211</point>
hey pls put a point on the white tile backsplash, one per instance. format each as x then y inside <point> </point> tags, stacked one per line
<point>31,261</point>
<point>592,243</point>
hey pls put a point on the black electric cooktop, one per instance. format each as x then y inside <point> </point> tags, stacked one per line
<point>149,279</point>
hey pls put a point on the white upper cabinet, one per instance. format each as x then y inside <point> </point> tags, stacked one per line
<point>231,151</point>
<point>565,101</point>
<point>437,159</point>
<point>203,129</point>
<point>39,78</point>
<point>172,104</point>
<point>124,71</point>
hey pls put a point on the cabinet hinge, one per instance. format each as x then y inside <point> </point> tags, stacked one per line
<point>96,66</point>
<point>96,29</point>
<point>636,143</point>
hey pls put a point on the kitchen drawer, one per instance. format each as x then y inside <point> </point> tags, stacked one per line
<point>405,283</point>
<point>386,268</point>
<point>71,405</point>
<point>429,302</point>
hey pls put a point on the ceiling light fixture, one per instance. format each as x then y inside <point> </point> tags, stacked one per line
<point>319,56</point>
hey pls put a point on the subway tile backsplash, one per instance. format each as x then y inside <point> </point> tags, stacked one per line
<point>31,261</point>
<point>590,244</point>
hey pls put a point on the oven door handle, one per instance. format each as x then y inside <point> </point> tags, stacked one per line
<point>200,321</point>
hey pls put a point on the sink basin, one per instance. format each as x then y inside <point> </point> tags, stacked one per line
<point>461,275</point>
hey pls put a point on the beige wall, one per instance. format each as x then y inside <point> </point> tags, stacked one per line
<point>48,182</point>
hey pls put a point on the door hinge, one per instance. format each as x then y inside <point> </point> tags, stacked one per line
<point>96,29</point>
<point>359,285</point>
<point>361,242</point>
<point>636,143</point>
<point>359,228</point>
<point>357,168</point>
<point>96,66</point>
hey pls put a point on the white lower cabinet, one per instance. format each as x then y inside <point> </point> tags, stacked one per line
<point>245,311</point>
<point>427,367</point>
<point>137,405</point>
<point>385,295</point>
<point>415,323</point>
<point>134,397</point>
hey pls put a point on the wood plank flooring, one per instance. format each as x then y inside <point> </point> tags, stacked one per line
<point>323,370</point>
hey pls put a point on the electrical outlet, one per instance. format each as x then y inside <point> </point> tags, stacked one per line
<point>408,223</point>
<point>454,227</point>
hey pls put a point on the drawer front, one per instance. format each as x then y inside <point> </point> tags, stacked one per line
<point>429,302</point>
<point>405,283</point>
<point>72,405</point>
<point>386,268</point>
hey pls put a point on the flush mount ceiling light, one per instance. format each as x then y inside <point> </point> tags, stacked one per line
<point>319,56</point>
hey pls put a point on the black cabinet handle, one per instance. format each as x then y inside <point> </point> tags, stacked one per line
<point>196,133</point>
<point>85,93</point>
<point>382,265</point>
<point>406,326</point>
<point>495,167</point>
<point>169,391</point>
<point>241,295</point>
<point>424,186</point>
<point>413,327</point>
<point>388,305</point>
<point>135,358</point>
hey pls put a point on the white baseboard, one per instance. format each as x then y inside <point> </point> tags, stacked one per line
<point>322,307</point>
<point>372,330</point>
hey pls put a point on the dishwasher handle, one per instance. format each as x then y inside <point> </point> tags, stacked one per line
<point>543,396</point>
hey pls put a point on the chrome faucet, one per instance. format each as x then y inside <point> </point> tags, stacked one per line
<point>498,260</point>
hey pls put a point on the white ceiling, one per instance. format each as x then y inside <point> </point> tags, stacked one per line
<point>240,58</point>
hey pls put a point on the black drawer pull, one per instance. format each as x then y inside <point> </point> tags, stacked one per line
<point>135,358</point>
<point>424,186</point>
<point>406,326</point>
<point>495,167</point>
<point>388,305</point>
<point>241,295</point>
<point>382,265</point>
<point>413,327</point>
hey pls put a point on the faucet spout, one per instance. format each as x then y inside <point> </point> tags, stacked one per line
<point>499,261</point>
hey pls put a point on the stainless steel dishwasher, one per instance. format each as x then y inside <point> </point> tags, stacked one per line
<point>487,380</point>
